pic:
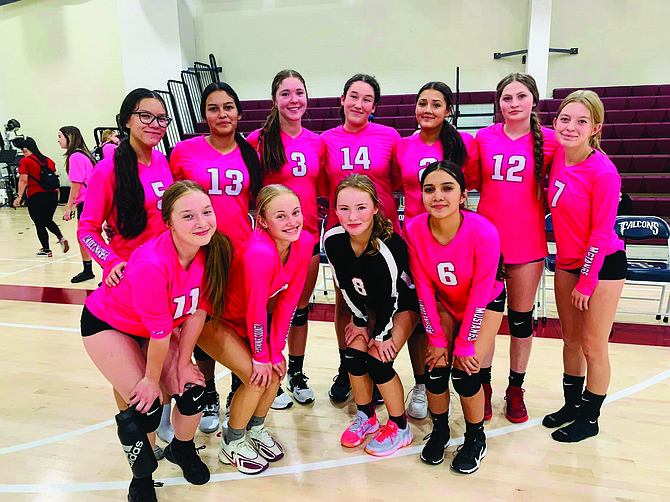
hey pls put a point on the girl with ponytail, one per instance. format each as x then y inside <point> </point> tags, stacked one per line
<point>437,140</point>
<point>227,167</point>
<point>292,156</point>
<point>514,156</point>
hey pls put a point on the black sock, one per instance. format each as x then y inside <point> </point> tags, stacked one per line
<point>485,375</point>
<point>295,364</point>
<point>182,446</point>
<point>88,266</point>
<point>572,392</point>
<point>368,409</point>
<point>343,361</point>
<point>590,407</point>
<point>474,429</point>
<point>235,383</point>
<point>146,480</point>
<point>400,421</point>
<point>586,424</point>
<point>516,379</point>
<point>440,420</point>
<point>210,385</point>
<point>419,379</point>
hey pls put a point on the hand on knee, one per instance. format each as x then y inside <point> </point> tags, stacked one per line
<point>380,372</point>
<point>466,385</point>
<point>192,401</point>
<point>437,380</point>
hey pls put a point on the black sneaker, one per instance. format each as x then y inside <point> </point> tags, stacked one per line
<point>81,277</point>
<point>297,385</point>
<point>377,398</point>
<point>144,492</point>
<point>341,388</point>
<point>470,454</point>
<point>433,450</point>
<point>195,471</point>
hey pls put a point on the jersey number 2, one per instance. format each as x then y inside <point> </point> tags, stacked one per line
<point>181,303</point>
<point>234,175</point>
<point>362,158</point>
<point>445,271</point>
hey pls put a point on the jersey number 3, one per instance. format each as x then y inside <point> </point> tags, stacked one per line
<point>181,303</point>
<point>234,175</point>
<point>300,169</point>
<point>445,271</point>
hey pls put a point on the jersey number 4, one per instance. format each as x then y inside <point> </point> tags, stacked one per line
<point>445,271</point>
<point>181,303</point>
<point>515,164</point>
<point>236,178</point>
<point>362,158</point>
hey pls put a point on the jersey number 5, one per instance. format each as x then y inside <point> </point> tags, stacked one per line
<point>159,189</point>
<point>516,164</point>
<point>362,158</point>
<point>445,271</point>
<point>234,175</point>
<point>181,303</point>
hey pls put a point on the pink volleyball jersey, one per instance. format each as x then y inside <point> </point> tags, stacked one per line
<point>369,152</point>
<point>461,275</point>
<point>506,182</point>
<point>584,199</point>
<point>226,179</point>
<point>80,172</point>
<point>412,156</point>
<point>256,276</point>
<point>99,207</point>
<point>156,293</point>
<point>305,155</point>
<point>108,150</point>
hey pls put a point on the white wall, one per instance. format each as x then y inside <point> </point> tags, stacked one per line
<point>403,43</point>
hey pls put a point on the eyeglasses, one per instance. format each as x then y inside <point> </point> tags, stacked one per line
<point>147,119</point>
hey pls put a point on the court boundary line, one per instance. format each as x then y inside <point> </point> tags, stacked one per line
<point>307,467</point>
<point>2,276</point>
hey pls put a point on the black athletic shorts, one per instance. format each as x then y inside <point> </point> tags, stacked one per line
<point>80,209</point>
<point>615,267</point>
<point>498,305</point>
<point>317,249</point>
<point>91,325</point>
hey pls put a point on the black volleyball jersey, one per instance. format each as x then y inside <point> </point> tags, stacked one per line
<point>380,282</point>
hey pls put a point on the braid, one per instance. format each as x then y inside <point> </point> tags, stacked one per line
<point>271,147</point>
<point>382,229</point>
<point>129,194</point>
<point>538,151</point>
<point>453,148</point>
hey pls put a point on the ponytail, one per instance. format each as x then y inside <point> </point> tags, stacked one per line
<point>538,151</point>
<point>131,215</point>
<point>217,269</point>
<point>382,229</point>
<point>250,158</point>
<point>270,144</point>
<point>453,147</point>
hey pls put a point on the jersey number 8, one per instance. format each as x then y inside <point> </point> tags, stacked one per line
<point>445,271</point>
<point>359,286</point>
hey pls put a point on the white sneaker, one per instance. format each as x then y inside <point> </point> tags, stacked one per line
<point>418,403</point>
<point>297,385</point>
<point>265,444</point>
<point>209,421</point>
<point>282,401</point>
<point>165,430</point>
<point>242,454</point>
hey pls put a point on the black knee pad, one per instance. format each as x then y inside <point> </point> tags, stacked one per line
<point>192,401</point>
<point>520,323</point>
<point>152,418</point>
<point>357,362</point>
<point>380,372</point>
<point>201,355</point>
<point>300,317</point>
<point>419,329</point>
<point>437,381</point>
<point>466,385</point>
<point>135,443</point>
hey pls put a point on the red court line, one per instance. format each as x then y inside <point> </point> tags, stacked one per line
<point>635,334</point>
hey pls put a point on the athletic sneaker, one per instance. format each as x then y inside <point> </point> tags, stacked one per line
<point>64,244</point>
<point>82,276</point>
<point>283,401</point>
<point>242,454</point>
<point>418,403</point>
<point>341,388</point>
<point>45,252</point>
<point>515,409</point>
<point>195,471</point>
<point>297,385</point>
<point>145,492</point>
<point>389,440</point>
<point>209,421</point>
<point>158,452</point>
<point>377,398</point>
<point>359,428</point>
<point>470,454</point>
<point>265,444</point>
<point>433,450</point>
<point>488,410</point>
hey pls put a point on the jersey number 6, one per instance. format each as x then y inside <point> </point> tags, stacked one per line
<point>445,271</point>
